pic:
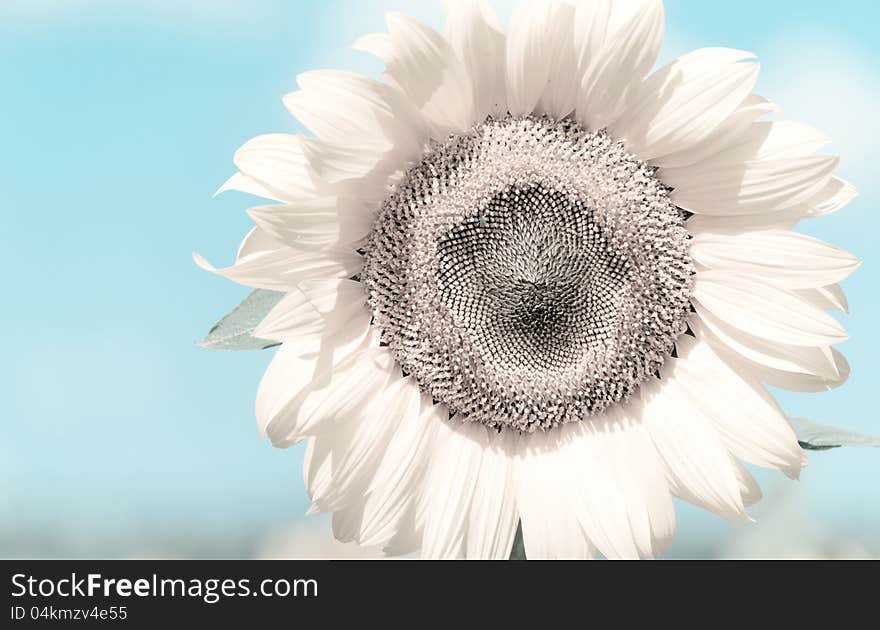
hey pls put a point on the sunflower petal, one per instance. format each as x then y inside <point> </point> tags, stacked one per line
<point>725,134</point>
<point>393,490</point>
<point>449,487</point>
<point>683,103</point>
<point>617,69</point>
<point>550,526</point>
<point>590,31</point>
<point>492,519</point>
<point>337,106</point>
<point>698,466</point>
<point>334,394</point>
<point>425,66</point>
<point>276,162</point>
<point>242,183</point>
<point>284,268</point>
<point>780,257</point>
<point>754,187</point>
<point>749,421</point>
<point>321,222</point>
<point>360,446</point>
<point>765,311</point>
<point>475,34</point>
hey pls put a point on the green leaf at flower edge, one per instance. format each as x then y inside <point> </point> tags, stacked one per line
<point>234,330</point>
<point>822,437</point>
<point>518,551</point>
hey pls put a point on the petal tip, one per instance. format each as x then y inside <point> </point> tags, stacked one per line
<point>202,262</point>
<point>228,185</point>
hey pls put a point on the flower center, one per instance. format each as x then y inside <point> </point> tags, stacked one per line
<point>529,273</point>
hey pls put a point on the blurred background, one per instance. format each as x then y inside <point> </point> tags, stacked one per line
<point>120,438</point>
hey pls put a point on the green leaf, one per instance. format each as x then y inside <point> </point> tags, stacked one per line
<point>234,331</point>
<point>518,551</point>
<point>822,437</point>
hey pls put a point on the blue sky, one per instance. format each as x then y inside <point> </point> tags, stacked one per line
<point>120,437</point>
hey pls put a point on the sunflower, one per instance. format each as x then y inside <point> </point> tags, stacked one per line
<point>529,284</point>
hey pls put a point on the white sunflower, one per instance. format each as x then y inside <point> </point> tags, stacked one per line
<point>528,282</point>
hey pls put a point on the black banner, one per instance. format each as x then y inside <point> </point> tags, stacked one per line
<point>170,593</point>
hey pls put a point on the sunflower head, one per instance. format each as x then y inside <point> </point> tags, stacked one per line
<point>489,260</point>
<point>529,273</point>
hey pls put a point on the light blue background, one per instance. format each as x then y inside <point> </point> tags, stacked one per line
<point>118,436</point>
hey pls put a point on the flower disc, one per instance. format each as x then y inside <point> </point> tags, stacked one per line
<point>529,273</point>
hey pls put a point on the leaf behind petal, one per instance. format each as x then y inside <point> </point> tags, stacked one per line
<point>822,437</point>
<point>233,332</point>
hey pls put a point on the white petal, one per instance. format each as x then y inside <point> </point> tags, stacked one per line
<point>424,65</point>
<point>493,519</point>
<point>332,297</point>
<point>765,311</point>
<point>276,161</point>
<point>636,470</point>
<point>808,382</point>
<point>836,194</point>
<point>245,184</point>
<point>335,163</point>
<point>773,140</point>
<point>292,370</point>
<point>456,459</point>
<point>827,298</point>
<point>699,467</point>
<point>724,136</point>
<point>749,421</point>
<point>624,59</point>
<point>753,187</point>
<point>751,491</point>
<point>528,60</point>
<point>409,529</point>
<point>832,197</point>
<point>338,106</point>
<point>257,241</point>
<point>737,224</point>
<point>600,502</point>
<point>475,35</point>
<point>334,395</point>
<point>289,372</point>
<point>317,468</point>
<point>392,493</point>
<point>315,223</point>
<point>361,444</point>
<point>683,103</point>
<point>773,355</point>
<point>590,31</point>
<point>649,491</point>
<point>779,257</point>
<point>559,96</point>
<point>346,520</point>
<point>623,501</point>
<point>284,268</point>
<point>732,225</point>
<point>319,307</point>
<point>550,526</point>
<point>377,44</point>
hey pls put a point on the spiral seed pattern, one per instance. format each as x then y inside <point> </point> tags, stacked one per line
<point>529,273</point>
